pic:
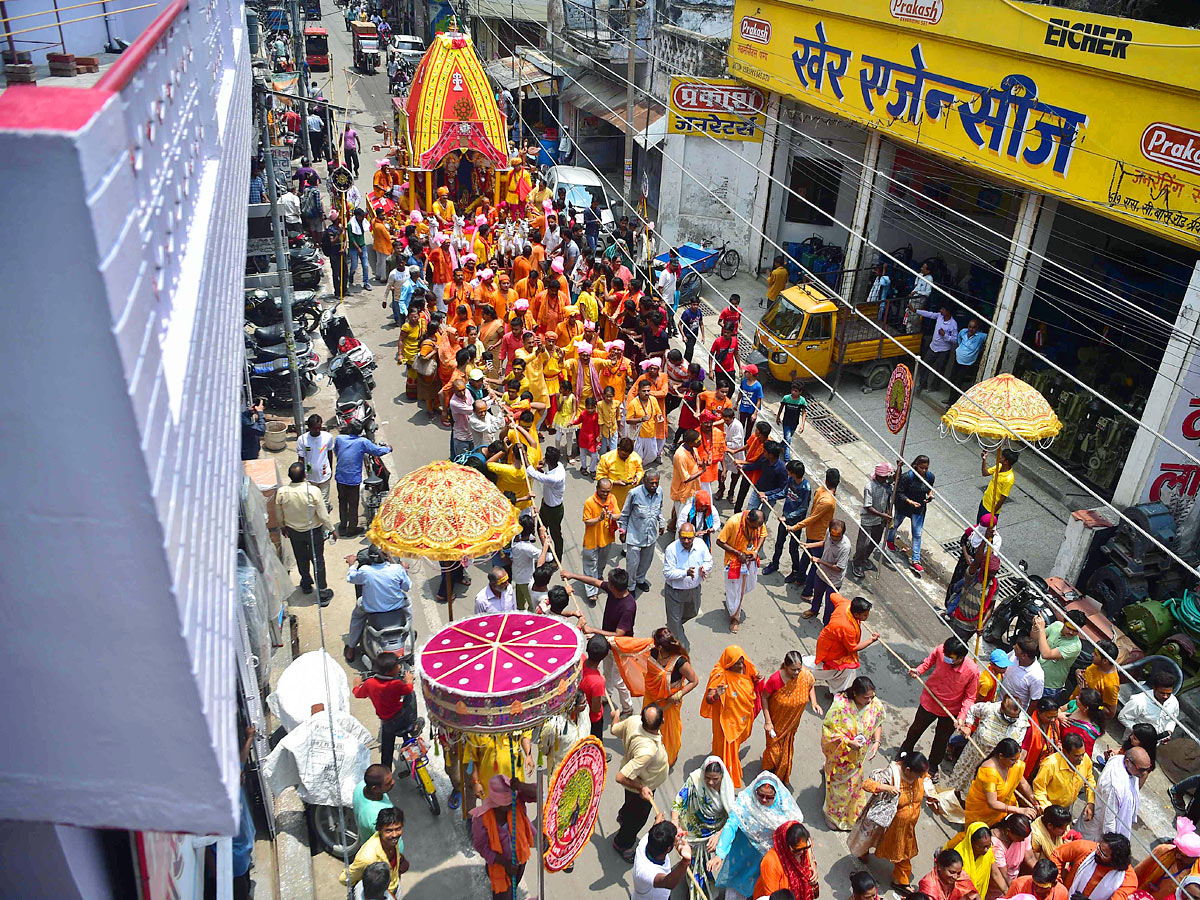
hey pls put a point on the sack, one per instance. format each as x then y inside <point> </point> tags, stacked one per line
<point>425,366</point>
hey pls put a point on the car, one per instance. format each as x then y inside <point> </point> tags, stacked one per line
<point>582,185</point>
<point>408,47</point>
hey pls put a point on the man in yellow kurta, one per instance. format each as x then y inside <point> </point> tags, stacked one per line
<point>643,415</point>
<point>490,754</point>
<point>623,468</point>
<point>1060,777</point>
<point>443,206</point>
<point>517,187</point>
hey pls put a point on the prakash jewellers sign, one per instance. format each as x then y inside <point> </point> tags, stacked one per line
<point>721,107</point>
<point>927,12</point>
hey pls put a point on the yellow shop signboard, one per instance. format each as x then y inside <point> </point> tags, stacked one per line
<point>1101,111</point>
<point>722,107</point>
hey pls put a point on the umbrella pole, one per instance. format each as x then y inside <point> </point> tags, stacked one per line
<point>993,487</point>
<point>541,837</point>
<point>448,577</point>
<point>512,834</point>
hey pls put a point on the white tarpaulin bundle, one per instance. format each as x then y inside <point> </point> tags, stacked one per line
<point>305,758</point>
<point>302,685</point>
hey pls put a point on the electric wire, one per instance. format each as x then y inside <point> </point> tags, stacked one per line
<point>740,113</point>
<point>885,335</point>
<point>767,509</point>
<point>878,545</point>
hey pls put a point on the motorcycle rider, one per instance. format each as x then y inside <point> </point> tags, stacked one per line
<point>385,587</point>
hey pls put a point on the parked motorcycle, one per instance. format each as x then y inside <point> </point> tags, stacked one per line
<point>1013,616</point>
<point>333,327</point>
<point>353,396</point>
<point>374,487</point>
<point>306,355</point>
<point>307,268</point>
<point>263,309</point>
<point>272,381</point>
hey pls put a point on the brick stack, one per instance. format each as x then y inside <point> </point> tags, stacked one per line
<point>18,67</point>
<point>62,65</point>
<point>87,64</point>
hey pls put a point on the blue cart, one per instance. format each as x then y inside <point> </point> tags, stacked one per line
<point>696,259</point>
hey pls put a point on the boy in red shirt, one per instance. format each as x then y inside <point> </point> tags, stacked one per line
<point>391,693</point>
<point>591,682</point>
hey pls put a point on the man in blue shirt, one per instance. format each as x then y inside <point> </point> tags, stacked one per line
<point>692,325</point>
<point>966,356</point>
<point>796,498</point>
<point>254,426</point>
<point>773,478</point>
<point>349,450</point>
<point>642,522</point>
<point>385,587</point>
<point>591,224</point>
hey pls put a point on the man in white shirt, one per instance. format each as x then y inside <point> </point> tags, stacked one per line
<point>553,239</point>
<point>315,449</point>
<point>289,208</point>
<point>735,452</point>
<point>653,875</point>
<point>485,426</point>
<point>1157,707</point>
<point>1024,679</point>
<point>316,136</point>
<point>922,287</point>
<point>551,474</point>
<point>881,288</point>
<point>686,563</point>
<point>498,597</point>
<point>529,550</point>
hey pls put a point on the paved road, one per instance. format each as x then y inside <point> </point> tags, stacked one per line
<point>438,848</point>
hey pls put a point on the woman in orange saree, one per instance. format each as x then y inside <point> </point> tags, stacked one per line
<point>784,696</point>
<point>669,677</point>
<point>731,701</point>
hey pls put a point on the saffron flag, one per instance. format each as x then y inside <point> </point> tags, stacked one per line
<point>632,656</point>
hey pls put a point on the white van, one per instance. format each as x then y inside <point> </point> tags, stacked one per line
<point>582,185</point>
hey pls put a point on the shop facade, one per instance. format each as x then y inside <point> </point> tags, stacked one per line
<point>1079,143</point>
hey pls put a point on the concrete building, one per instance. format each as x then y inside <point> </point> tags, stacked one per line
<point>1019,150</point>
<point>124,252</point>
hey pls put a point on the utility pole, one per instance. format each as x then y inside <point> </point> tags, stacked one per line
<point>285,280</point>
<point>630,71</point>
<point>301,78</point>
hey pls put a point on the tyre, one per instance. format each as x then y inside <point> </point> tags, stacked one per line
<point>876,377</point>
<point>689,286</point>
<point>435,805</point>
<point>728,264</point>
<point>323,821</point>
<point>308,321</point>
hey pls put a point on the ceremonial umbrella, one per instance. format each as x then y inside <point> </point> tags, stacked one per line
<point>446,512</point>
<point>1001,409</point>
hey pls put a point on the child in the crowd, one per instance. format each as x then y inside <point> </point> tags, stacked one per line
<point>555,606</point>
<point>609,413</point>
<point>564,426</point>
<point>589,437</point>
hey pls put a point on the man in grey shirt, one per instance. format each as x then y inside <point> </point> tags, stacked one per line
<point>875,517</point>
<point>642,522</point>
<point>828,572</point>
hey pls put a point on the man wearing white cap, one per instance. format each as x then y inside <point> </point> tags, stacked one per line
<point>873,521</point>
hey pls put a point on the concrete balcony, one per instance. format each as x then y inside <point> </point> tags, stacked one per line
<point>124,268</point>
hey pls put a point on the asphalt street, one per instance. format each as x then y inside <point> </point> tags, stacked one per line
<point>438,848</point>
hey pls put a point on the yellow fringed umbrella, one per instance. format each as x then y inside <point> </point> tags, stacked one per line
<point>446,512</point>
<point>1003,408</point>
<point>999,409</point>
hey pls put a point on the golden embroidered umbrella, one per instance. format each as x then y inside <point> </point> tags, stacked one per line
<point>1003,408</point>
<point>446,512</point>
<point>999,409</point>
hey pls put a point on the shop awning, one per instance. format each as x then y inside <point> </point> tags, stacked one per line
<point>607,100</point>
<point>511,72</point>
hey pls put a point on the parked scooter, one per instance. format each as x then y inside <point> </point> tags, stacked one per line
<point>354,396</point>
<point>272,381</point>
<point>333,327</point>
<point>263,309</point>
<point>306,355</point>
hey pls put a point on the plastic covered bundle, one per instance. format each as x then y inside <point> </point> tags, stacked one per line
<point>306,758</point>
<point>302,686</point>
<point>252,591</point>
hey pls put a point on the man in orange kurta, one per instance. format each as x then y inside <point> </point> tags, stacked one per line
<point>840,641</point>
<point>686,472</point>
<point>731,702</point>
<point>1069,857</point>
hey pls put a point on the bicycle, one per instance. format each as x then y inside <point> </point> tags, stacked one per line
<point>728,259</point>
